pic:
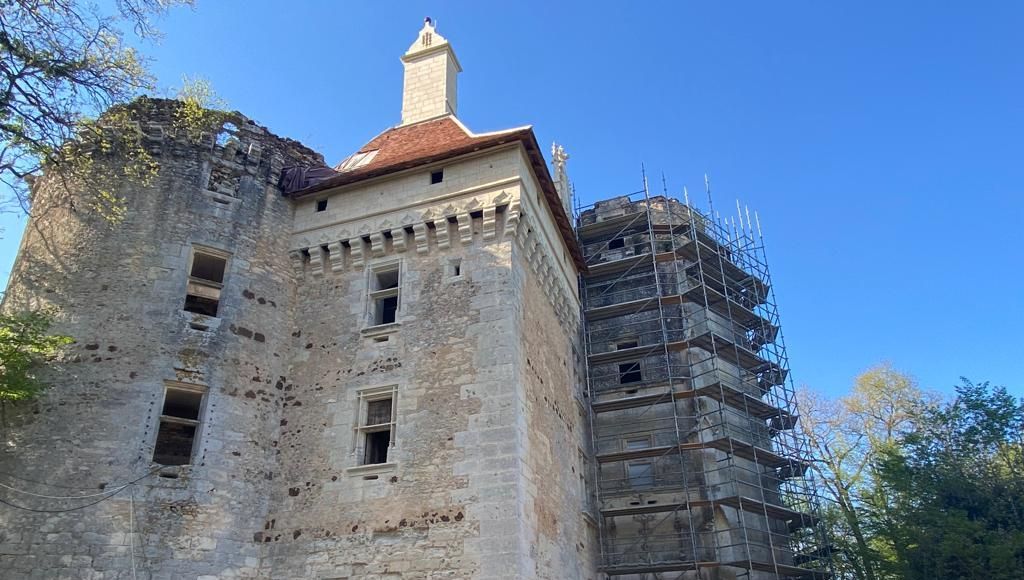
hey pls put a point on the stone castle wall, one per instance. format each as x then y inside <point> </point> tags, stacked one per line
<point>482,477</point>
<point>120,289</point>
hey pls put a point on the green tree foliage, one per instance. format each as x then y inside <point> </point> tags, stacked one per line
<point>955,490</point>
<point>920,488</point>
<point>62,62</point>
<point>25,344</point>
<point>846,437</point>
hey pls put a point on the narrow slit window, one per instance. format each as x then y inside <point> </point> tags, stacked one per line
<point>179,425</point>
<point>376,427</point>
<point>455,268</point>
<point>384,295</point>
<point>630,373</point>
<point>205,282</point>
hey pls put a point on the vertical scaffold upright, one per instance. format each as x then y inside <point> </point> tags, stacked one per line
<point>701,470</point>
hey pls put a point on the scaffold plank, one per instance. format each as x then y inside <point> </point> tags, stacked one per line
<point>718,390</point>
<point>749,505</point>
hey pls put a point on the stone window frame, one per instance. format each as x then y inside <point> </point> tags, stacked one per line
<point>365,396</point>
<point>621,342</point>
<point>648,479</point>
<point>206,288</point>
<point>454,269</point>
<point>370,326</point>
<point>199,422</point>
<point>638,366</point>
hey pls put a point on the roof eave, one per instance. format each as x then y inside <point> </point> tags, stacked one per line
<point>523,135</point>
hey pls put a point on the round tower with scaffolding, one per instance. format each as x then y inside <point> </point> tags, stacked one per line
<point>700,470</point>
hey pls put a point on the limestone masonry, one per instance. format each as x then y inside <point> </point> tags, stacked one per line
<point>420,363</point>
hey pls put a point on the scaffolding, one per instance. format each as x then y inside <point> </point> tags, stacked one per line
<point>700,468</point>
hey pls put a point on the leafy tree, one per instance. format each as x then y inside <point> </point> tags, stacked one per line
<point>846,438</point>
<point>25,344</point>
<point>62,62</point>
<point>955,489</point>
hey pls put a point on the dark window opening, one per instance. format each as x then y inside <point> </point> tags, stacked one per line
<point>183,404</point>
<point>626,344</point>
<point>174,444</point>
<point>437,176</point>
<point>200,305</point>
<point>616,243</point>
<point>630,373</point>
<point>206,278</point>
<point>387,309</point>
<point>387,280</point>
<point>384,296</point>
<point>321,205</point>
<point>377,443</point>
<point>179,422</point>
<point>209,268</point>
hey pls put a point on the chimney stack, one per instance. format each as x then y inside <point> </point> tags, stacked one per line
<point>430,86</point>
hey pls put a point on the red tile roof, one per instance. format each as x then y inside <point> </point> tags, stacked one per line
<point>409,146</point>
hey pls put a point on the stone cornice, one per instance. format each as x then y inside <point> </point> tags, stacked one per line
<point>434,227</point>
<point>419,205</point>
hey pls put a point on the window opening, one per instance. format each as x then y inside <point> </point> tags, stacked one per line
<point>384,293</point>
<point>640,474</point>
<point>455,268</point>
<point>205,282</point>
<point>638,443</point>
<point>630,373</point>
<point>321,205</point>
<point>376,427</point>
<point>626,344</point>
<point>437,176</point>
<point>616,243</point>
<point>179,423</point>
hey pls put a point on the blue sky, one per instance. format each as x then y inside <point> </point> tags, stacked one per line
<point>880,142</point>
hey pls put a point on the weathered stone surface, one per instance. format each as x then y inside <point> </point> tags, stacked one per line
<point>481,478</point>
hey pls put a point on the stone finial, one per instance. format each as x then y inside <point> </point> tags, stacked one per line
<point>558,159</point>
<point>428,38</point>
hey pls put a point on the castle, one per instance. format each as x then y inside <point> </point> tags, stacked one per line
<point>420,363</point>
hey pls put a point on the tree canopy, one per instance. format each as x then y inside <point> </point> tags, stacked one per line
<point>920,486</point>
<point>62,62</point>
<point>25,344</point>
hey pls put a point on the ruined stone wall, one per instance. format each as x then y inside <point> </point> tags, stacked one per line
<point>120,289</point>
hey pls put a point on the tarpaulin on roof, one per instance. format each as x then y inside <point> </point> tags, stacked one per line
<point>297,177</point>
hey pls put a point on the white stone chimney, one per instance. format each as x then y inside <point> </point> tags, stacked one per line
<point>430,77</point>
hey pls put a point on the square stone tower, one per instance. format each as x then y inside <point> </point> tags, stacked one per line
<point>432,424</point>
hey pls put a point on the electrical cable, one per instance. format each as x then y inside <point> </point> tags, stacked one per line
<point>104,492</point>
<point>58,486</point>
<point>107,496</point>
